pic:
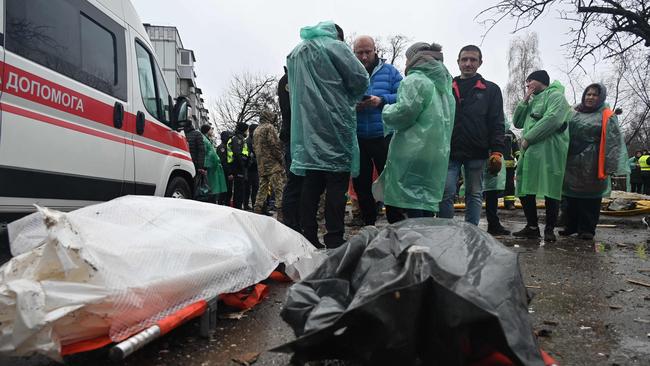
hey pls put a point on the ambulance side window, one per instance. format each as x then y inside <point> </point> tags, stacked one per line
<point>147,80</point>
<point>152,85</point>
<point>163,94</point>
<point>72,38</point>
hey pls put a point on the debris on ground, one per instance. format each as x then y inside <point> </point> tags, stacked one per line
<point>621,204</point>
<point>543,333</point>
<point>640,283</point>
<point>247,359</point>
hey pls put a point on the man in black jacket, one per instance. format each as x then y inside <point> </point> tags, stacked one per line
<point>478,135</point>
<point>293,186</point>
<point>197,149</point>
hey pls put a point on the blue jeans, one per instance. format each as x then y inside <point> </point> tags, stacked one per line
<point>473,174</point>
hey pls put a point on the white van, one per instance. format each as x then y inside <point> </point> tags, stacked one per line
<point>85,115</point>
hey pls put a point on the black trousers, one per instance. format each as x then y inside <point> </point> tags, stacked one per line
<point>582,214</point>
<point>251,188</point>
<point>372,153</point>
<point>225,198</point>
<point>335,185</point>
<point>238,189</point>
<point>394,214</point>
<point>509,193</point>
<point>530,210</point>
<point>645,176</point>
<point>291,194</point>
<point>491,205</point>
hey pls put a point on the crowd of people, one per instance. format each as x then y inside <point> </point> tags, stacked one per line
<point>640,172</point>
<point>347,116</point>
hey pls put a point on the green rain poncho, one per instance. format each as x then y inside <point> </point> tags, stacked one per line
<point>325,82</point>
<point>216,178</point>
<point>540,169</point>
<point>496,182</point>
<point>581,178</point>
<point>423,118</point>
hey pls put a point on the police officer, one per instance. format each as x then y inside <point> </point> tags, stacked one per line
<point>644,164</point>
<point>238,161</point>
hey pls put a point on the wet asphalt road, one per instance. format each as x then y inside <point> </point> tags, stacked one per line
<point>583,305</point>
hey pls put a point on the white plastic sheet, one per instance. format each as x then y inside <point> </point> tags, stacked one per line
<point>118,267</point>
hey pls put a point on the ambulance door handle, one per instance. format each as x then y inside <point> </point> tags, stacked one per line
<point>139,123</point>
<point>118,115</point>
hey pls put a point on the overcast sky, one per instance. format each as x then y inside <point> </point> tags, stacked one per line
<point>230,37</point>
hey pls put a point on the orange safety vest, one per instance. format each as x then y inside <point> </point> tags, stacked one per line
<point>607,113</point>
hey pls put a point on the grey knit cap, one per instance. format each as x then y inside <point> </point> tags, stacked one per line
<point>415,47</point>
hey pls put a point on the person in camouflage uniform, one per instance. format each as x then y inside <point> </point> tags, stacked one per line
<point>268,148</point>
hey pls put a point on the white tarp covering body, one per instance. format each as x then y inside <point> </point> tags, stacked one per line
<point>118,267</point>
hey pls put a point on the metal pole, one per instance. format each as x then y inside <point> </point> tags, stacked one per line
<point>123,349</point>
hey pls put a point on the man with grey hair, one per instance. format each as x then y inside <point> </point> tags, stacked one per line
<point>372,135</point>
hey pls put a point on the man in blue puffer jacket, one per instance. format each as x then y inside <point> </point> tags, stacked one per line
<point>373,146</point>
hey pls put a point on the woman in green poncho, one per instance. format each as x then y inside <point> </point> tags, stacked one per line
<point>216,178</point>
<point>422,118</point>
<point>543,115</point>
<point>596,150</point>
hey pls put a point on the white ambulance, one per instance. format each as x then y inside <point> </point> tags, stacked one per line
<point>85,115</point>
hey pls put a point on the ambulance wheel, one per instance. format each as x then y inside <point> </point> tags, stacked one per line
<point>178,188</point>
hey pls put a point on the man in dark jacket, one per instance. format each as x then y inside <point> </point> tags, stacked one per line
<point>222,150</point>
<point>238,155</point>
<point>478,134</point>
<point>197,148</point>
<point>293,187</point>
<point>373,146</point>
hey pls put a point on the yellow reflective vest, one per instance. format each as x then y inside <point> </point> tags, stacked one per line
<point>644,163</point>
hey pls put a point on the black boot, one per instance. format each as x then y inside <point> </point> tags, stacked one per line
<point>567,232</point>
<point>549,234</point>
<point>586,236</point>
<point>528,232</point>
<point>498,230</point>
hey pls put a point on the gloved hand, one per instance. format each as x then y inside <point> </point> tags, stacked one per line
<point>494,163</point>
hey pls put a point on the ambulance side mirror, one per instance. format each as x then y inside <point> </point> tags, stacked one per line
<point>180,114</point>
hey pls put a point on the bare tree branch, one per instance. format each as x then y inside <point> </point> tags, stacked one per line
<point>246,97</point>
<point>603,26</point>
<point>523,58</point>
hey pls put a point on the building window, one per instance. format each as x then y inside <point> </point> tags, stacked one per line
<point>185,58</point>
